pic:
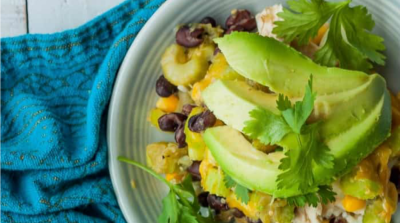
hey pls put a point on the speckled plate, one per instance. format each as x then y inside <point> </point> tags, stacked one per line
<point>134,95</point>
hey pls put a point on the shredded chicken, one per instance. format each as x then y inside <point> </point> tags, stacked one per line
<point>265,20</point>
<point>310,214</point>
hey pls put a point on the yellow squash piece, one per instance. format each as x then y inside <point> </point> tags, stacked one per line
<point>183,67</point>
<point>196,144</point>
<point>163,157</point>
<point>154,115</point>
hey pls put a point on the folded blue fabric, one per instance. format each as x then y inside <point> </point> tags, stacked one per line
<point>55,91</point>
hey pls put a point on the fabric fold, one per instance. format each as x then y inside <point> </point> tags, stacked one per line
<point>55,92</point>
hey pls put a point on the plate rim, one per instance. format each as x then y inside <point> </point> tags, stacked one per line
<point>113,109</point>
<point>122,74</point>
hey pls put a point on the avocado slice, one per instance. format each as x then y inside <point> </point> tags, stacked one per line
<point>246,165</point>
<point>281,68</point>
<point>354,108</point>
<point>363,130</point>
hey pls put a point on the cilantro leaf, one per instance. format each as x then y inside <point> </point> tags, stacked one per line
<point>283,103</point>
<point>349,41</point>
<point>187,216</point>
<point>298,163</point>
<point>181,204</point>
<point>229,182</point>
<point>297,166</point>
<point>356,20</point>
<point>297,115</point>
<point>305,20</point>
<point>324,195</point>
<point>170,208</point>
<point>241,192</point>
<point>301,157</point>
<point>266,126</point>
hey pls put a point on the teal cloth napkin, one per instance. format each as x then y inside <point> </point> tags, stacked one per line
<point>55,91</point>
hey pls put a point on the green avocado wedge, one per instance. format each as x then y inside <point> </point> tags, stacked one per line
<point>353,108</point>
<point>231,102</point>
<point>281,68</point>
<point>246,165</point>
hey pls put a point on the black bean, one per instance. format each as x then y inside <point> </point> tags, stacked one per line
<point>202,197</point>
<point>338,220</point>
<point>234,28</point>
<point>194,170</point>
<point>241,18</point>
<point>186,109</point>
<point>215,202</point>
<point>187,38</point>
<point>237,213</point>
<point>201,121</point>
<point>395,177</point>
<point>164,88</point>
<point>209,20</point>
<point>217,50</point>
<point>170,122</point>
<point>180,136</point>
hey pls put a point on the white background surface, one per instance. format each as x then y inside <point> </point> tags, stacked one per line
<point>48,16</point>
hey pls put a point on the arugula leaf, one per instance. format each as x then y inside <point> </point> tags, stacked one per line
<point>324,195</point>
<point>266,126</point>
<point>242,193</point>
<point>349,41</point>
<point>181,204</point>
<point>297,115</point>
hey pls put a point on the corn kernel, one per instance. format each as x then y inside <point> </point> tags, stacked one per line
<point>321,33</point>
<point>352,204</point>
<point>218,123</point>
<point>198,88</point>
<point>170,176</point>
<point>168,104</point>
<point>174,177</point>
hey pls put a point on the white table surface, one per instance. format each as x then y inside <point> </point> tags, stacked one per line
<point>48,16</point>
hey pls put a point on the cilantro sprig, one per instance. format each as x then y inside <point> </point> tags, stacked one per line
<point>349,43</point>
<point>324,195</point>
<point>298,163</point>
<point>241,192</point>
<point>181,204</point>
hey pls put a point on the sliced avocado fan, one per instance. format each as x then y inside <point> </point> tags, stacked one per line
<point>353,107</point>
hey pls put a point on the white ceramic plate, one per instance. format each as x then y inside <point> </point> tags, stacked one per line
<point>134,95</point>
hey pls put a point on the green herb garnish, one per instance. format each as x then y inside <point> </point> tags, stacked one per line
<point>297,166</point>
<point>349,42</point>
<point>323,195</point>
<point>181,204</point>
<point>241,192</point>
